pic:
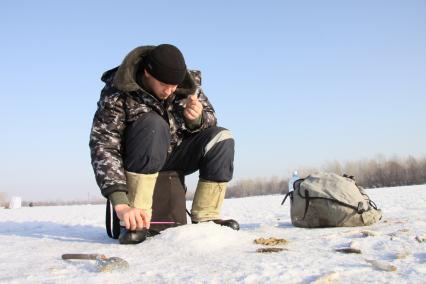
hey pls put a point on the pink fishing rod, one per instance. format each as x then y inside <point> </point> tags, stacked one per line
<point>163,223</point>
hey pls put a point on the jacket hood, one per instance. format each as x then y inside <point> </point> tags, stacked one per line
<point>123,76</point>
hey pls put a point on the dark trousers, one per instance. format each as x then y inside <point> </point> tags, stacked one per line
<point>146,142</point>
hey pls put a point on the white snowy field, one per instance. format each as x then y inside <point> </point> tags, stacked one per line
<point>32,241</point>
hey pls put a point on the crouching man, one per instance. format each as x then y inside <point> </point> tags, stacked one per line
<point>152,116</point>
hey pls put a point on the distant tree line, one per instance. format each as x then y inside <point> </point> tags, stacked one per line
<point>251,187</point>
<point>370,173</point>
<point>4,202</point>
<point>63,202</point>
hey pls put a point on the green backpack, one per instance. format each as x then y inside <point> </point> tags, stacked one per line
<point>329,200</point>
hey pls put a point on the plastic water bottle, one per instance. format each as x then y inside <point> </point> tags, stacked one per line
<point>291,181</point>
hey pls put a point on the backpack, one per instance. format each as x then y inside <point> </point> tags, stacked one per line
<point>329,200</point>
<point>169,204</point>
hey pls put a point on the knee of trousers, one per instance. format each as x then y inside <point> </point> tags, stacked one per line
<point>217,163</point>
<point>145,144</point>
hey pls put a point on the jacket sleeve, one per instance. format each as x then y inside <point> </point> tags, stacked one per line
<point>105,143</point>
<point>208,117</point>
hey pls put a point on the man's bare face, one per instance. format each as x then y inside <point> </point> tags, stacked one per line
<point>161,90</point>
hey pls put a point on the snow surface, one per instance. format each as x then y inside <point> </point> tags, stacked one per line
<point>32,241</point>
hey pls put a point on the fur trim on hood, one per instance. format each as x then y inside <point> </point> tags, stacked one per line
<point>124,77</point>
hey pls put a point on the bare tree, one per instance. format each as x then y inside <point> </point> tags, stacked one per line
<point>3,199</point>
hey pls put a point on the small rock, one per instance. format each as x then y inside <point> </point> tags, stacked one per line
<point>268,250</point>
<point>348,250</point>
<point>381,265</point>
<point>270,241</point>
<point>421,239</point>
<point>368,233</point>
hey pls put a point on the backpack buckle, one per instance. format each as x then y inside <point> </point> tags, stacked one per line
<point>360,209</point>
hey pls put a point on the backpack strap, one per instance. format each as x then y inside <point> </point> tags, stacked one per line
<point>359,209</point>
<point>112,223</point>
<point>307,200</point>
<point>348,176</point>
<point>370,202</point>
<point>287,195</point>
<point>361,190</point>
<point>296,185</point>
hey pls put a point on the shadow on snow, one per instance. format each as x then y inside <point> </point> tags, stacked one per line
<point>56,231</point>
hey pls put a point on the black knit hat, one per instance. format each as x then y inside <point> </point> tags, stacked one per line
<point>166,63</point>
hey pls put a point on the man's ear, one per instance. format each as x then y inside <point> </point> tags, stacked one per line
<point>146,74</point>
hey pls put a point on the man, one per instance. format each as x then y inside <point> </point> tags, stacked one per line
<point>153,116</point>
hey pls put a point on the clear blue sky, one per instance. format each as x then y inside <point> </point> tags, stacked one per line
<point>299,83</point>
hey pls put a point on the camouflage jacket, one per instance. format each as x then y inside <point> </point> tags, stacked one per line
<point>123,101</point>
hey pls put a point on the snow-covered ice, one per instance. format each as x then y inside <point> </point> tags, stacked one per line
<point>32,241</point>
